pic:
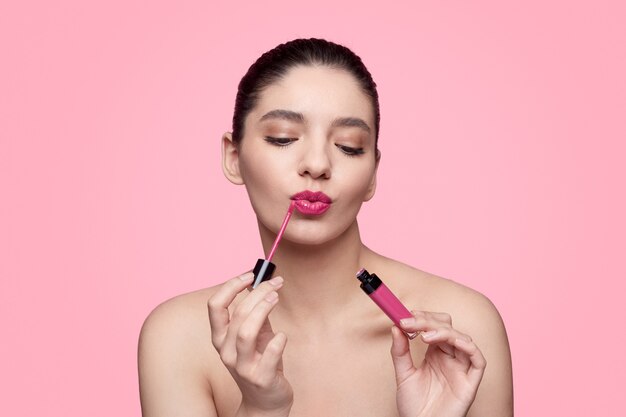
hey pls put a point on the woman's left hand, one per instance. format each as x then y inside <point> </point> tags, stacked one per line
<point>445,383</point>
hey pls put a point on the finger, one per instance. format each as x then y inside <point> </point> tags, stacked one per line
<point>422,322</point>
<point>265,335</point>
<point>443,334</point>
<point>252,299</point>
<point>401,355</point>
<point>272,357</point>
<point>247,336</point>
<point>461,355</point>
<point>462,358</point>
<point>443,317</point>
<point>244,308</point>
<point>429,338</point>
<point>478,362</point>
<point>444,338</point>
<point>218,304</point>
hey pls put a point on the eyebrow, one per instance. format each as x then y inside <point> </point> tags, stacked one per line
<point>296,117</point>
<point>289,115</point>
<point>351,122</point>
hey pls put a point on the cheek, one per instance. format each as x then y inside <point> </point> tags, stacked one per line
<point>262,179</point>
<point>357,181</point>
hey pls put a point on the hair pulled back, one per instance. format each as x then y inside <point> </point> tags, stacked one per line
<point>274,64</point>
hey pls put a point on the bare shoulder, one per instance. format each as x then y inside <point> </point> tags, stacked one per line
<point>184,306</point>
<point>175,355</point>
<point>472,313</point>
<point>181,320</point>
<point>424,291</point>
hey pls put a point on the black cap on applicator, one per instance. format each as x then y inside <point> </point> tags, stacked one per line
<point>369,282</point>
<point>263,271</point>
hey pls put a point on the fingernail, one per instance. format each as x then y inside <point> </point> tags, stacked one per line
<point>276,281</point>
<point>407,321</point>
<point>429,334</point>
<point>247,276</point>
<point>271,296</point>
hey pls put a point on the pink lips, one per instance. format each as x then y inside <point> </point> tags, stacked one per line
<point>312,202</point>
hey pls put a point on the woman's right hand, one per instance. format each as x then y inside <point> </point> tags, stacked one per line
<point>248,346</point>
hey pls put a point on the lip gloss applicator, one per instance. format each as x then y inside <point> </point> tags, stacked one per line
<point>264,268</point>
<point>384,298</point>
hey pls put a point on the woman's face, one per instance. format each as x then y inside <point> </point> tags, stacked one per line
<point>311,130</point>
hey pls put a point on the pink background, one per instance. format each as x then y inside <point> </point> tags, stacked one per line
<point>505,121</point>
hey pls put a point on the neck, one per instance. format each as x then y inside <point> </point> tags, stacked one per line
<point>320,280</point>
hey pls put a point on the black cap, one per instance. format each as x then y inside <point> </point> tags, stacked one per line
<point>264,269</point>
<point>369,282</point>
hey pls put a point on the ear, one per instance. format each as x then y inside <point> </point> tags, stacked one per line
<point>230,159</point>
<point>372,187</point>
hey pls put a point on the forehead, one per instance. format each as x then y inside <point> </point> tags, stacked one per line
<point>319,93</point>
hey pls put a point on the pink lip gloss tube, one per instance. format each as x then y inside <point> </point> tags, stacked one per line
<point>384,298</point>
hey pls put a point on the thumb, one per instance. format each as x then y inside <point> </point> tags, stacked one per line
<point>401,355</point>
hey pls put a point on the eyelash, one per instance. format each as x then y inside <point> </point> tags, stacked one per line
<point>284,142</point>
<point>351,151</point>
<point>280,141</point>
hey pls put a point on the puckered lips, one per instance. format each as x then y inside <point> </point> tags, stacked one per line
<point>312,202</point>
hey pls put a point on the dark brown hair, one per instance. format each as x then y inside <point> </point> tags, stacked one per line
<point>274,64</point>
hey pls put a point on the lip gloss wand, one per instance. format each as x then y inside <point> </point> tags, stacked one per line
<point>264,268</point>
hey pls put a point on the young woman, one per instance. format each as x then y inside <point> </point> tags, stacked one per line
<point>309,342</point>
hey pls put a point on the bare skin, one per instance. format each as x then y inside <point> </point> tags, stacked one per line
<point>338,365</point>
<point>326,348</point>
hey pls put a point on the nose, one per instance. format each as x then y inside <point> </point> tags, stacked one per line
<point>315,160</point>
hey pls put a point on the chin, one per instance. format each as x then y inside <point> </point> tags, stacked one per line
<point>312,235</point>
<point>306,240</point>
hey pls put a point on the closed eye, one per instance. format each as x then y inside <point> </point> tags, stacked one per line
<point>351,151</point>
<point>280,141</point>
